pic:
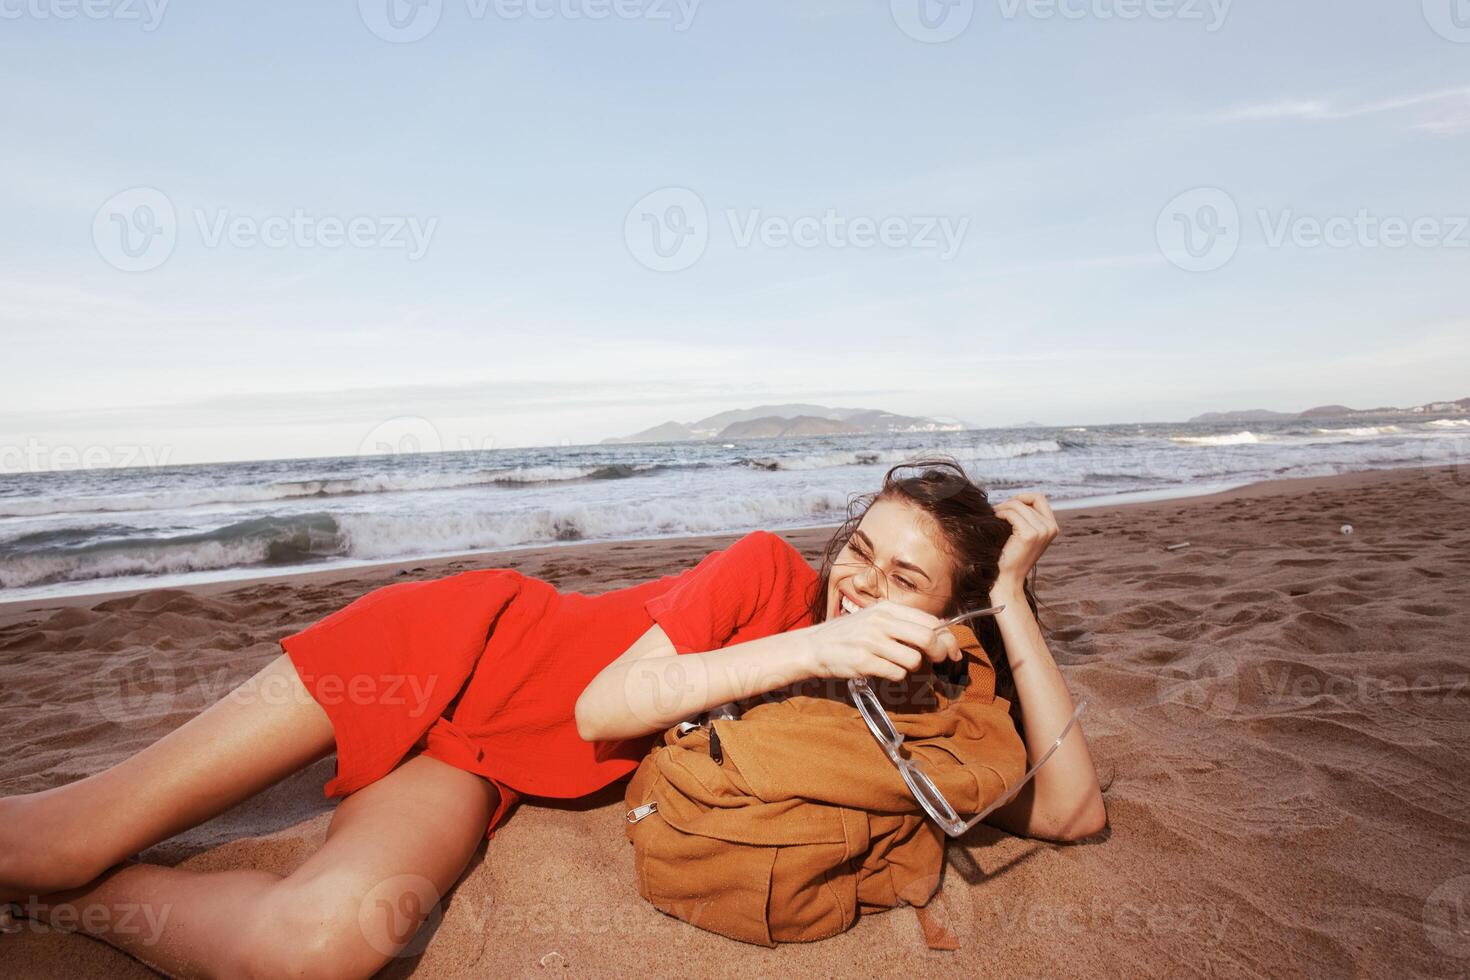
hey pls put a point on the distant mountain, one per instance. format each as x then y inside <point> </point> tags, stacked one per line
<point>791,420</point>
<point>1245,415</point>
<point>776,427</point>
<point>1459,407</point>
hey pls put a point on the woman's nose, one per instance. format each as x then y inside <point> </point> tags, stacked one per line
<point>870,579</point>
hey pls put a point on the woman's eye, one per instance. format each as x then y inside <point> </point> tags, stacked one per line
<point>906,584</point>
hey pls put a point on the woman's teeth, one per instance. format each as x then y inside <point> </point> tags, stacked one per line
<point>848,605</point>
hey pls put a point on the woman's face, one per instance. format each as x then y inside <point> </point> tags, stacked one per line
<point>893,554</point>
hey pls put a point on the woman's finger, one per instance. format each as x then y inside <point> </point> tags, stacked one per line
<point>1034,505</point>
<point>921,636</point>
<point>886,669</point>
<point>1034,526</point>
<point>1012,514</point>
<point>900,654</point>
<point>1043,507</point>
<point>924,632</point>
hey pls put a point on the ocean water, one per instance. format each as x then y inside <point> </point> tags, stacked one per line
<point>96,530</point>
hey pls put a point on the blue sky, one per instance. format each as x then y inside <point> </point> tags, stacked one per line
<point>503,167</point>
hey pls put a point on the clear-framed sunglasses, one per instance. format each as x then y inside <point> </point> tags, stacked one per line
<point>912,771</point>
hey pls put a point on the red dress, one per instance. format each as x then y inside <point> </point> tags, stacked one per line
<point>482,669</point>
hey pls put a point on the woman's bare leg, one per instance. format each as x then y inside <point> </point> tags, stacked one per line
<point>261,732</point>
<point>393,850</point>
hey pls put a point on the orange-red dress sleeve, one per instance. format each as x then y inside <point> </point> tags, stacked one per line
<point>758,586</point>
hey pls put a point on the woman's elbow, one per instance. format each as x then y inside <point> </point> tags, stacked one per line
<point>1092,821</point>
<point>588,729</point>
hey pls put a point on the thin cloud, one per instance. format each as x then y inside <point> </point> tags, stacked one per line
<point>1442,112</point>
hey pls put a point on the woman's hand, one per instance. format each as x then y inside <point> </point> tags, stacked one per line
<point>1033,528</point>
<point>887,639</point>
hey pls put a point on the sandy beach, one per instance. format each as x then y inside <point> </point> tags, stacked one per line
<point>1278,711</point>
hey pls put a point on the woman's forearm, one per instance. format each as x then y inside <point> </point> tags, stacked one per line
<point>636,697</point>
<point>1063,801</point>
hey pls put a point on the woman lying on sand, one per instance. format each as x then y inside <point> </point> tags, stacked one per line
<point>449,698</point>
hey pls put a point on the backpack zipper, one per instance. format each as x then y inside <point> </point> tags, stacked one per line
<point>716,752</point>
<point>639,812</point>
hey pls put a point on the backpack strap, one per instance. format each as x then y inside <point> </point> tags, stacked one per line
<point>934,924</point>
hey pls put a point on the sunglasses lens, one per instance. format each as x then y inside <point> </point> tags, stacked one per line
<point>928,791</point>
<point>875,716</point>
<point>925,792</point>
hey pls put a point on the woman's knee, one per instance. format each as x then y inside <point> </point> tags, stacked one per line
<point>41,848</point>
<point>334,927</point>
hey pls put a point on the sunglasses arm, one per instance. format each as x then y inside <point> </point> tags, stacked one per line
<point>1010,794</point>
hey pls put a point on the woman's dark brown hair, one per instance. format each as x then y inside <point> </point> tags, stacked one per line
<point>971,532</point>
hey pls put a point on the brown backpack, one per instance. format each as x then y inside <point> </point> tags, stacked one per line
<point>786,824</point>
